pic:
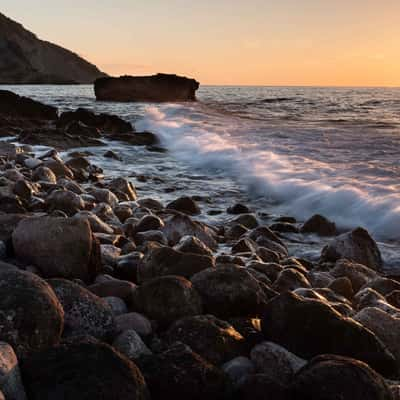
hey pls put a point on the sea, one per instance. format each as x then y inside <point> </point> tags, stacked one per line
<point>283,151</point>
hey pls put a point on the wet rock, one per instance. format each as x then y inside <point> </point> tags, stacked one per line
<point>84,313</point>
<point>186,205</point>
<point>112,154</point>
<point>84,370</point>
<point>229,291</point>
<point>117,305</point>
<point>394,298</point>
<point>271,270</point>
<point>357,246</point>
<point>151,204</point>
<point>177,226</point>
<point>65,200</point>
<point>104,196</point>
<point>23,189</point>
<point>113,288</point>
<point>215,340</point>
<point>77,128</point>
<point>123,212</point>
<point>166,299</point>
<point>59,247</point>
<point>238,208</point>
<point>167,261</point>
<point>191,244</point>
<point>320,225</point>
<point>342,286</point>
<point>284,227</point>
<point>329,377</point>
<point>10,377</point>
<point>123,188</point>
<point>31,316</point>
<point>371,298</point>
<point>247,220</point>
<point>109,254</point>
<point>134,321</point>
<point>235,232</point>
<point>244,245</point>
<point>151,236</point>
<point>275,361</point>
<point>147,223</point>
<point>59,169</point>
<point>306,328</point>
<point>179,373</point>
<point>229,259</point>
<point>238,368</point>
<point>383,285</point>
<point>131,345</point>
<point>44,174</point>
<point>96,224</point>
<point>290,279</point>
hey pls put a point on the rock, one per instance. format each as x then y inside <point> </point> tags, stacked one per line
<point>158,88</point>
<point>59,247</point>
<point>167,261</point>
<point>186,205</point>
<point>12,105</point>
<point>238,208</point>
<point>96,224</point>
<point>123,212</point>
<point>31,316</point>
<point>229,291</point>
<point>134,321</point>
<point>230,259</point>
<point>342,286</point>
<point>122,186</point>
<point>114,288</point>
<point>84,313</point>
<point>32,163</point>
<point>105,196</point>
<point>235,232</point>
<point>137,139</point>
<point>284,227</point>
<point>65,200</point>
<point>244,245</point>
<point>190,244</point>
<point>383,285</point>
<point>151,236</point>
<point>128,265</point>
<point>330,378</point>
<point>84,369</point>
<point>8,222</point>
<point>109,254</point>
<point>10,377</point>
<point>117,305</point>
<point>213,339</point>
<point>238,368</point>
<point>177,226</point>
<point>59,168</point>
<point>131,345</point>
<point>166,299</point>
<point>257,386</point>
<point>290,279</point>
<point>357,246</point>
<point>247,220</point>
<point>179,373</point>
<point>306,327</point>
<point>148,223</point>
<point>320,225</point>
<point>44,174</point>
<point>271,270</point>
<point>371,298</point>
<point>358,274</point>
<point>77,128</point>
<point>151,204</point>
<point>23,189</point>
<point>105,122</point>
<point>112,154</point>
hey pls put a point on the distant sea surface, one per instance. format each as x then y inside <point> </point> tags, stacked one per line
<point>286,150</point>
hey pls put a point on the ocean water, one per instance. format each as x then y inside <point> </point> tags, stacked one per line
<point>284,150</point>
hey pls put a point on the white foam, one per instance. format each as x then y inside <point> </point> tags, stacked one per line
<point>298,186</point>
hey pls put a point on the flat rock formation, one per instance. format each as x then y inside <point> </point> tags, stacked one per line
<point>155,88</point>
<point>24,59</point>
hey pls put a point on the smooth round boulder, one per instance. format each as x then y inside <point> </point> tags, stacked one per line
<point>31,317</point>
<point>166,299</point>
<point>191,244</point>
<point>84,370</point>
<point>123,189</point>
<point>320,225</point>
<point>130,344</point>
<point>84,313</point>
<point>215,340</point>
<point>185,205</point>
<point>331,378</point>
<point>65,200</point>
<point>229,291</point>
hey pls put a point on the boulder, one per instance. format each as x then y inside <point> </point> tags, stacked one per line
<point>306,327</point>
<point>65,200</point>
<point>320,225</point>
<point>190,244</point>
<point>357,246</point>
<point>358,274</point>
<point>10,377</point>
<point>290,279</point>
<point>85,370</point>
<point>185,205</point>
<point>383,285</point>
<point>59,247</point>
<point>121,186</point>
<point>134,321</point>
<point>117,305</point>
<point>238,368</point>
<point>215,340</point>
<point>8,222</point>
<point>114,288</point>
<point>44,174</point>
<point>166,299</point>
<point>131,345</point>
<point>331,378</point>
<point>96,224</point>
<point>31,317</point>
<point>238,208</point>
<point>258,386</point>
<point>104,196</point>
<point>84,313</point>
<point>167,261</point>
<point>180,374</point>
<point>229,291</point>
<point>157,88</point>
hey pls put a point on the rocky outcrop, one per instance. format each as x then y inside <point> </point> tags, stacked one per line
<point>155,88</point>
<point>27,59</point>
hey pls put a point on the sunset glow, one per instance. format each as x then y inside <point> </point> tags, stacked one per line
<point>255,42</point>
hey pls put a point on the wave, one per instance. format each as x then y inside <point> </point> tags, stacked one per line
<point>298,191</point>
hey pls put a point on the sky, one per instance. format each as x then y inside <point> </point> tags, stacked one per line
<point>228,42</point>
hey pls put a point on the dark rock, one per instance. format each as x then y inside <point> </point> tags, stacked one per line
<point>229,291</point>
<point>130,344</point>
<point>137,138</point>
<point>59,247</point>
<point>215,340</point>
<point>122,186</point>
<point>65,200</point>
<point>330,378</point>
<point>44,174</point>
<point>31,317</point>
<point>166,299</point>
<point>148,223</point>
<point>84,313</point>
<point>342,286</point>
<point>112,154</point>
<point>134,321</point>
<point>258,386</point>
<point>191,244</point>
<point>306,328</point>
<point>238,209</point>
<point>290,279</point>
<point>284,227</point>
<point>77,128</point>
<point>357,246</point>
<point>383,285</point>
<point>85,370</point>
<point>167,261</point>
<point>8,222</point>
<point>358,274</point>
<point>158,88</point>
<point>113,288</point>
<point>186,205</point>
<point>179,373</point>
<point>320,225</point>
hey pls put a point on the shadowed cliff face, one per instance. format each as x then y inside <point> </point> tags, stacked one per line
<point>26,59</point>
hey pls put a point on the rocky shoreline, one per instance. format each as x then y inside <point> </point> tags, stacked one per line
<point>105,294</point>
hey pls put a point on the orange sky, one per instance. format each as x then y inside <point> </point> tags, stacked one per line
<point>252,42</point>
